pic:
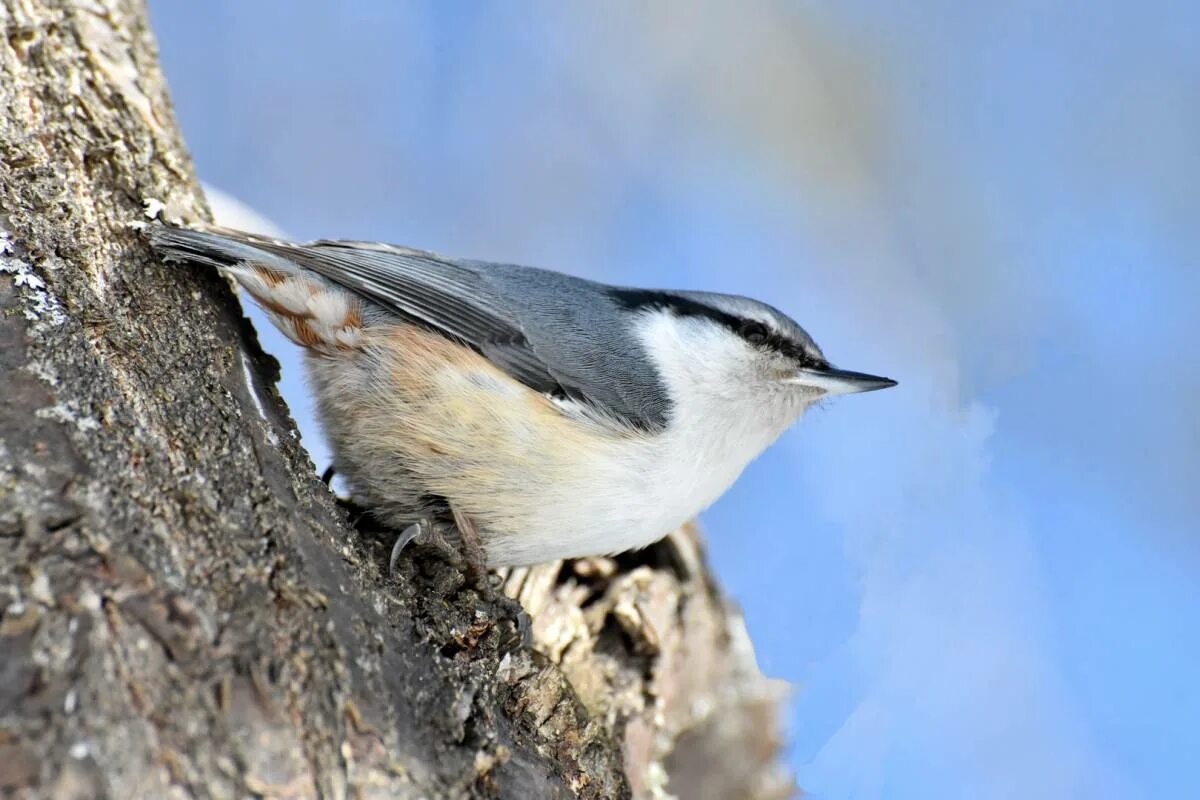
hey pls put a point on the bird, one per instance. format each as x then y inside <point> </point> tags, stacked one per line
<point>525,414</point>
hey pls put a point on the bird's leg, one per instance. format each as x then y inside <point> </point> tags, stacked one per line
<point>424,532</point>
<point>472,551</point>
<point>327,475</point>
<point>471,556</point>
<point>355,510</point>
<point>477,574</point>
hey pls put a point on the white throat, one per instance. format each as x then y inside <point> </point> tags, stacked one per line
<point>723,414</point>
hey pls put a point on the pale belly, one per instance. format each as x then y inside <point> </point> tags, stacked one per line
<point>628,503</point>
<point>540,484</point>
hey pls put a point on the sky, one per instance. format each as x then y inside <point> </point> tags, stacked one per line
<point>982,583</point>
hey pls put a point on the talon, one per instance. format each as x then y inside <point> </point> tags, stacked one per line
<point>515,613</point>
<point>407,535</point>
<point>426,533</point>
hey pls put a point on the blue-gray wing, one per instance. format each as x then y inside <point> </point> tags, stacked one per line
<point>557,334</point>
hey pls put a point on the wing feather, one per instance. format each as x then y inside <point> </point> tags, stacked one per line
<point>557,334</point>
<point>452,296</point>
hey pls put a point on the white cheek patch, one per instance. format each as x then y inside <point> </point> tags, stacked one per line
<point>723,414</point>
<point>692,355</point>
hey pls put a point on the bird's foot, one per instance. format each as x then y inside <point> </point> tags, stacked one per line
<point>328,474</point>
<point>515,614</point>
<point>355,511</point>
<point>486,584</point>
<point>473,554</point>
<point>424,533</point>
<point>469,556</point>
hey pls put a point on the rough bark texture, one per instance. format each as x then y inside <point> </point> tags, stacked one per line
<point>183,610</point>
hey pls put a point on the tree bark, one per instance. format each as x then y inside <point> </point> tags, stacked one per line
<point>183,610</point>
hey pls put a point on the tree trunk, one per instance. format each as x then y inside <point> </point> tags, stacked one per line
<point>184,611</point>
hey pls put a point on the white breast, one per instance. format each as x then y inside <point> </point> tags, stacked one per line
<point>631,494</point>
<point>638,489</point>
<point>720,420</point>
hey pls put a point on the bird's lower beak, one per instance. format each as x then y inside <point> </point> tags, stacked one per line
<point>833,381</point>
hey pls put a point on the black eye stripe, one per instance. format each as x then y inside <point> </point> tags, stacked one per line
<point>758,334</point>
<point>751,330</point>
<point>754,332</point>
<point>787,348</point>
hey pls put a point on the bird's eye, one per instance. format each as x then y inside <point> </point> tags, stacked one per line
<point>754,332</point>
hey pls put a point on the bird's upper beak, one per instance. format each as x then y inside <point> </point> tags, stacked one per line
<point>831,380</point>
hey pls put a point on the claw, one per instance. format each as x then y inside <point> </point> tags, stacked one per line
<point>516,614</point>
<point>328,474</point>
<point>427,533</point>
<point>402,541</point>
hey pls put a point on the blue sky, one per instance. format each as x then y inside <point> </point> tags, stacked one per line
<point>983,583</point>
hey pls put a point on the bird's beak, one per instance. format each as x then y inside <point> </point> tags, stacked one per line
<point>831,381</point>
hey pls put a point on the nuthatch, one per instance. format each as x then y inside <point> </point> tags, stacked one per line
<point>546,415</point>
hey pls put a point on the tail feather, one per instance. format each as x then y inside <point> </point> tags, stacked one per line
<point>310,310</point>
<point>215,247</point>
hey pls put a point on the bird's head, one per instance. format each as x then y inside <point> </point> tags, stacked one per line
<point>738,353</point>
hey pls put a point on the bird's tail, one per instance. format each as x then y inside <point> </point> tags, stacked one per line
<point>310,310</point>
